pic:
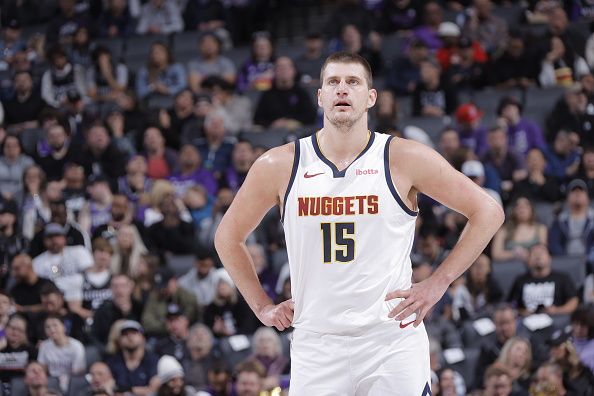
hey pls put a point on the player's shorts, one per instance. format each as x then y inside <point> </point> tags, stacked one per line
<point>387,360</point>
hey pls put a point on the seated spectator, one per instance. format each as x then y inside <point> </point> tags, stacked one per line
<point>26,290</point>
<point>484,290</point>
<point>63,264</point>
<point>563,158</point>
<point>101,379</point>
<point>310,61</point>
<point>404,76</point>
<point>172,378</point>
<point>250,377</point>
<point>286,104</point>
<point>582,331</point>
<point>201,280</point>
<point>548,378</point>
<point>571,233</point>
<point>52,302</point>
<point>385,118</point>
<point>561,65</point>
<point>577,378</point>
<point>520,232</point>
<point>13,242</point>
<point>135,183</point>
<point>6,307</point>
<point>398,16</point>
<point>134,368</point>
<point>352,40</point>
<point>191,173</point>
<point>74,192</point>
<point>80,50</point>
<point>238,108</point>
<point>96,280</point>
<point>177,121</point>
<point>523,133</point>
<point>160,17</point>
<point>127,250</point>
<point>242,158</point>
<point>542,289</point>
<point>171,234</point>
<point>161,76</point>
<point>449,143</point>
<point>121,306</point>
<point>498,381</point>
<point>200,204</point>
<point>101,155</point>
<point>161,160</point>
<point>55,152</point>
<point>488,29</point>
<point>97,210</point>
<point>161,190</point>
<point>471,129</point>
<point>18,351</point>
<point>466,69</point>
<point>205,16</point>
<point>572,113</point>
<point>266,274</point>
<point>216,148</point>
<point>61,77</point>
<point>36,379</point>
<point>120,215</point>
<point>451,382</point>
<point>202,355</point>
<point>431,97</point>
<point>178,331</point>
<point>516,67</point>
<point>23,110</point>
<point>107,80</point>
<point>11,41</point>
<point>535,185</point>
<point>64,356</point>
<point>210,63</point>
<point>449,54</point>
<point>516,356</point>
<point>257,72</point>
<point>115,20</point>
<point>166,291</point>
<point>432,17</point>
<point>267,350</point>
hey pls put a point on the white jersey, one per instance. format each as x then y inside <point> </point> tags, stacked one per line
<point>349,236</point>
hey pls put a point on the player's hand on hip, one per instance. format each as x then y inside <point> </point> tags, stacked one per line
<point>417,300</point>
<point>279,315</point>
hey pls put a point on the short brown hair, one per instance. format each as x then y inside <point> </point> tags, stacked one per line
<point>251,366</point>
<point>497,370</point>
<point>102,245</point>
<point>348,57</point>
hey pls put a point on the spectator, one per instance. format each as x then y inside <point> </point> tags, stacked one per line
<point>161,160</point>
<point>471,130</point>
<point>466,66</point>
<point>101,155</point>
<point>177,122</point>
<point>285,105</point>
<point>398,15</point>
<point>178,331</point>
<point>242,158</point>
<point>483,288</point>
<point>12,241</point>
<point>120,215</point>
<point>23,110</point>
<point>257,72</point>
<point>450,382</point>
<point>523,134</point>
<point>64,356</point>
<point>106,79</point>
<point>121,306</point>
<point>172,378</point>
<point>200,204</point>
<point>191,173</point>
<point>216,148</point>
<point>516,356</point>
<point>17,352</point>
<point>563,158</point>
<point>11,42</point>
<point>26,291</point>
<point>548,378</point>
<point>167,291</point>
<point>535,185</point>
<point>571,113</point>
<point>205,16</point>
<point>160,191</point>
<point>135,183</point>
<point>128,249</point>
<point>97,210</point>
<point>561,65</point>
<point>74,193</point>
<point>201,280</point>
<point>498,381</point>
<point>404,76</point>
<point>35,211</point>
<point>571,233</point>
<point>238,108</point>
<point>250,378</point>
<point>96,280</point>
<point>488,29</point>
<point>542,289</point>
<point>101,379</point>
<point>61,77</point>
<point>475,170</point>
<point>202,356</point>
<point>268,351</point>
<point>558,26</point>
<point>431,97</point>
<point>172,234</point>
<point>520,232</point>
<point>62,26</point>
<point>577,378</point>
<point>210,63</point>
<point>453,44</point>
<point>116,21</point>
<point>160,17</point>
<point>582,331</point>
<point>449,144</point>
<point>63,264</point>
<point>59,151</point>
<point>161,76</point>
<point>352,40</point>
<point>267,276</point>
<point>310,61</point>
<point>516,67</point>
<point>134,368</point>
<point>80,50</point>
<point>427,32</point>
<point>36,379</point>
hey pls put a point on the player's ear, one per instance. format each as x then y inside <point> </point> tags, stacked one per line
<point>372,98</point>
<point>319,101</point>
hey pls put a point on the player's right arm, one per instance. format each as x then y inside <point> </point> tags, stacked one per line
<point>265,183</point>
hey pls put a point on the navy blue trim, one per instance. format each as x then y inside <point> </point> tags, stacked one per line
<point>389,179</point>
<point>335,172</point>
<point>292,179</point>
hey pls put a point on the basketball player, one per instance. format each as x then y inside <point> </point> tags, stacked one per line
<point>348,204</point>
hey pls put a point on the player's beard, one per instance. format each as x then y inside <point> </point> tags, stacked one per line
<point>344,121</point>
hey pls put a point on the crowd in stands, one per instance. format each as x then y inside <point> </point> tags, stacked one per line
<point>127,126</point>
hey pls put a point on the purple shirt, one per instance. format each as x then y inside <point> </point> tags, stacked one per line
<point>181,183</point>
<point>429,36</point>
<point>525,136</point>
<point>475,140</point>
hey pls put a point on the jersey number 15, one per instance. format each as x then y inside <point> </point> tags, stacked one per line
<point>338,242</point>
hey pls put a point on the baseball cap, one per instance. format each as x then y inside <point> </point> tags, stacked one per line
<point>559,336</point>
<point>9,206</point>
<point>577,183</point>
<point>131,325</point>
<point>473,169</point>
<point>448,29</point>
<point>168,368</point>
<point>162,277</point>
<point>174,310</point>
<point>468,113</point>
<point>53,229</point>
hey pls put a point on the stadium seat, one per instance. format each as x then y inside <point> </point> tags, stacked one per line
<point>268,138</point>
<point>574,266</point>
<point>467,367</point>
<point>545,212</point>
<point>505,272</point>
<point>155,102</point>
<point>114,45</point>
<point>181,264</point>
<point>431,125</point>
<point>18,387</point>
<point>510,14</point>
<point>30,138</point>
<point>78,386</point>
<point>92,354</point>
<point>393,46</point>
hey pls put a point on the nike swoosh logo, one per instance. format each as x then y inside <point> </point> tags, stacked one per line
<point>307,176</point>
<point>402,326</point>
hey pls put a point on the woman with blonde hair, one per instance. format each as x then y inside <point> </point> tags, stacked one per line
<point>162,189</point>
<point>519,233</point>
<point>268,350</point>
<point>516,356</point>
<point>576,377</point>
<point>127,249</point>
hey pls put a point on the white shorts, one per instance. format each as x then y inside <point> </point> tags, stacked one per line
<point>386,360</point>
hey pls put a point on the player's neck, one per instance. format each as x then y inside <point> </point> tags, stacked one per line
<point>341,147</point>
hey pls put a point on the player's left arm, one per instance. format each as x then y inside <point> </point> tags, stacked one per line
<point>425,171</point>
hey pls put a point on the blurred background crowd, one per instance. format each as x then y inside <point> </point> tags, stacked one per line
<point>127,126</point>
